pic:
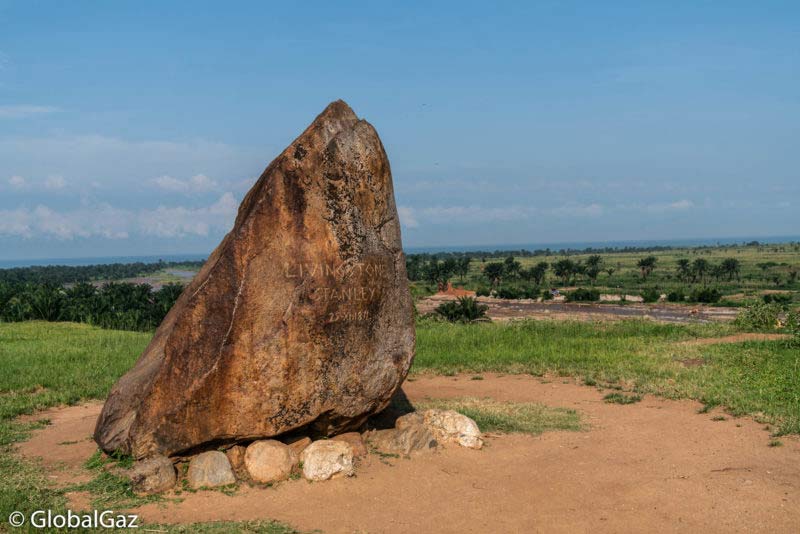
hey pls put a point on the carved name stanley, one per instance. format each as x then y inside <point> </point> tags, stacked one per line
<point>350,284</point>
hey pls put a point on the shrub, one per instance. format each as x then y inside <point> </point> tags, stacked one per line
<point>583,295</point>
<point>463,310</point>
<point>706,295</point>
<point>759,316</point>
<point>531,292</point>
<point>509,293</point>
<point>777,298</point>
<point>546,294</point>
<point>676,295</point>
<point>482,291</point>
<point>651,295</point>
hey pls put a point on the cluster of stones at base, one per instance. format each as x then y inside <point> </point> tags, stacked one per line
<point>270,461</point>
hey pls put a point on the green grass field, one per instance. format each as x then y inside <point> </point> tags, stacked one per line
<point>47,364</point>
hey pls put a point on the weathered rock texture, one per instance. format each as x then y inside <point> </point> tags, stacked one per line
<point>301,317</point>
<point>210,470</point>
<point>153,475</point>
<point>324,459</point>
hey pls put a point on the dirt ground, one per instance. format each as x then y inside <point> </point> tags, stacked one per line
<point>504,309</point>
<point>655,466</point>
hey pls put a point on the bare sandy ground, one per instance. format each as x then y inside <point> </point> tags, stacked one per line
<point>655,466</point>
<point>504,309</point>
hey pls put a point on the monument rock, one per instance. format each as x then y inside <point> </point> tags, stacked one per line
<point>301,319</point>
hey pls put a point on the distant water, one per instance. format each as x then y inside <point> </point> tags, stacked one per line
<point>101,260</point>
<point>608,244</point>
<point>7,264</point>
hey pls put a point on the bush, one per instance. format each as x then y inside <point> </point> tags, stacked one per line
<point>546,294</point>
<point>509,293</point>
<point>777,298</point>
<point>651,295</point>
<point>759,316</point>
<point>531,292</point>
<point>583,295</point>
<point>706,295</point>
<point>676,295</point>
<point>482,291</point>
<point>463,310</point>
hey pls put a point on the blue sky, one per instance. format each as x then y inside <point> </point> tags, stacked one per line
<point>131,128</point>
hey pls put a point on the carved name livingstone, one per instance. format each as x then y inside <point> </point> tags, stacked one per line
<point>300,319</point>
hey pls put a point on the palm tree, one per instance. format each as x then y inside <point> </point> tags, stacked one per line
<point>700,267</point>
<point>731,267</point>
<point>684,269</point>
<point>646,265</point>
<point>564,269</point>
<point>493,272</point>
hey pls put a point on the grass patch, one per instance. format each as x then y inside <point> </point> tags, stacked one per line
<point>510,417</point>
<point>759,378</point>
<point>621,398</point>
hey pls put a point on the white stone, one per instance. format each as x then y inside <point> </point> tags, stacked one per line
<point>449,426</point>
<point>324,459</point>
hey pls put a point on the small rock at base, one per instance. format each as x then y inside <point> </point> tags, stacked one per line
<point>210,470</point>
<point>152,475</point>
<point>324,459</point>
<point>236,457</point>
<point>453,427</point>
<point>355,441</point>
<point>411,438</point>
<point>269,461</point>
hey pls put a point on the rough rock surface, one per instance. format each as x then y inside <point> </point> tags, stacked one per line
<point>269,461</point>
<point>301,317</point>
<point>355,441</point>
<point>210,470</point>
<point>410,438</point>
<point>298,445</point>
<point>152,475</point>
<point>236,458</point>
<point>324,459</point>
<point>453,427</point>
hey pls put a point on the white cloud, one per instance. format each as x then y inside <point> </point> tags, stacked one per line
<point>55,182</point>
<point>16,223</point>
<point>182,221</point>
<point>407,217</point>
<point>579,210</point>
<point>199,183</point>
<point>679,205</point>
<point>106,221</point>
<point>18,182</point>
<point>24,110</point>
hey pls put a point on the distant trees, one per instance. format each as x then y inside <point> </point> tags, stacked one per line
<point>118,305</point>
<point>493,273</point>
<point>594,265</point>
<point>731,267</point>
<point>700,267</point>
<point>646,266</point>
<point>564,269</point>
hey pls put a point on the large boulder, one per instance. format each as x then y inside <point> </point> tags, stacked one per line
<point>300,319</point>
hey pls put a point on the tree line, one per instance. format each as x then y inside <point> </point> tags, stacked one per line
<point>69,274</point>
<point>116,305</point>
